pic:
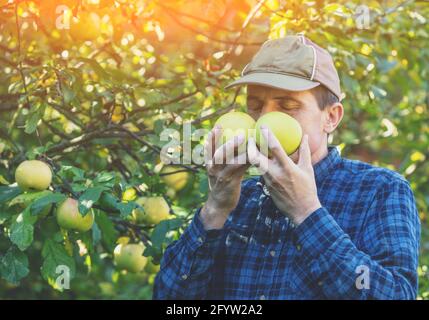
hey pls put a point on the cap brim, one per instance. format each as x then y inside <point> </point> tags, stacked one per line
<point>275,80</point>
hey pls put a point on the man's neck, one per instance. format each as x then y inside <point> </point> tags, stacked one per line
<point>319,154</point>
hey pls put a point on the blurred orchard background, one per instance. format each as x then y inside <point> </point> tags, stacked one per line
<point>88,86</point>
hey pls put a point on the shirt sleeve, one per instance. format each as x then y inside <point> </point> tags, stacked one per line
<point>187,262</point>
<point>381,263</point>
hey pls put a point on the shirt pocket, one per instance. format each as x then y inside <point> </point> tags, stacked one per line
<point>237,241</point>
<point>238,264</point>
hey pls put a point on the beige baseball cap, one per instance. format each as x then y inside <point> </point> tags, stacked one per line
<point>291,63</point>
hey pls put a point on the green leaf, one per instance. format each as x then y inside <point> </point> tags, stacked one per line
<point>332,7</point>
<point>96,67</point>
<point>88,198</point>
<point>126,208</point>
<point>153,252</point>
<point>5,213</point>
<point>158,126</point>
<point>88,241</point>
<point>378,92</point>
<point>32,122</point>
<point>96,233</point>
<point>34,118</point>
<point>108,231</point>
<point>104,177</point>
<point>68,93</point>
<point>55,255</point>
<point>8,192</point>
<point>3,180</point>
<point>21,233</point>
<point>78,187</point>
<point>160,231</point>
<point>38,151</point>
<point>204,183</point>
<point>28,197</point>
<point>385,65</point>
<point>108,202</point>
<point>72,173</point>
<point>180,211</point>
<point>42,202</point>
<point>14,266</point>
<point>26,216</point>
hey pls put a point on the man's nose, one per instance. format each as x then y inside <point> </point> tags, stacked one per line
<point>268,106</point>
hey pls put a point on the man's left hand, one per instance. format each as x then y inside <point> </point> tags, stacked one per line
<point>292,186</point>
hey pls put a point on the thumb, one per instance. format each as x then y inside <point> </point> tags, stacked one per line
<point>304,152</point>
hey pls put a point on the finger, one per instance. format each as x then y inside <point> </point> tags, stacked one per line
<point>238,160</point>
<point>208,149</point>
<point>240,171</point>
<point>210,144</point>
<point>304,153</point>
<point>256,158</point>
<point>275,147</point>
<point>216,137</point>
<point>241,160</point>
<point>238,166</point>
<point>226,152</point>
<point>235,149</point>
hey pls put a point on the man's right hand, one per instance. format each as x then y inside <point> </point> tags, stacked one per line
<point>225,173</point>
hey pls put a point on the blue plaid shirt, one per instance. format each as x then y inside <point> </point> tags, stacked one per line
<point>362,243</point>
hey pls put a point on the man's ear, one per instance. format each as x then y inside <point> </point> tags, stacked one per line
<point>333,115</point>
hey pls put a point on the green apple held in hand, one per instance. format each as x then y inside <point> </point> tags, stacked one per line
<point>69,217</point>
<point>286,129</point>
<point>155,209</point>
<point>130,257</point>
<point>234,124</point>
<point>33,174</point>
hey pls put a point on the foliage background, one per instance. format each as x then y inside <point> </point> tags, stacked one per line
<point>94,110</point>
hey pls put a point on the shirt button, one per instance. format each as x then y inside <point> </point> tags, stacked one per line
<point>320,283</point>
<point>272,253</point>
<point>184,277</point>
<point>200,240</point>
<point>262,297</point>
<point>298,247</point>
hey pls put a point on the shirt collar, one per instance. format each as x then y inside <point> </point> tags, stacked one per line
<point>321,168</point>
<point>324,167</point>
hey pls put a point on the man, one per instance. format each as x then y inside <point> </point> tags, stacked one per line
<point>314,225</point>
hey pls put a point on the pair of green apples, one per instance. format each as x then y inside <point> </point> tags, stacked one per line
<point>36,176</point>
<point>285,128</point>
